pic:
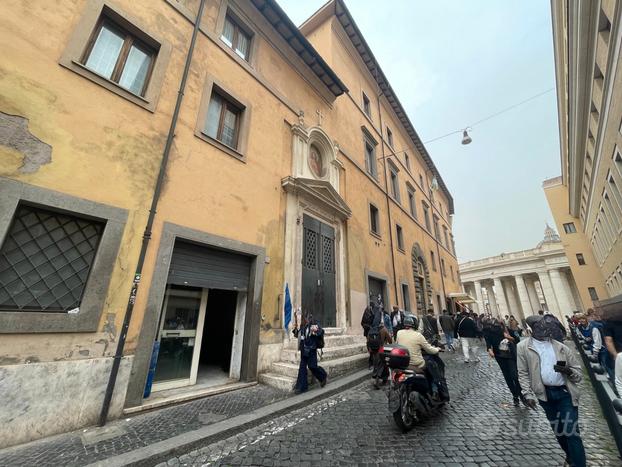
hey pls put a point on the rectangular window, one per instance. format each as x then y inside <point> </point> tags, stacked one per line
<point>400,237</point>
<point>395,185</point>
<point>445,236</point>
<point>570,228</point>
<point>119,56</point>
<point>436,230</point>
<point>370,158</point>
<point>46,259</point>
<point>451,269</point>
<point>580,259</point>
<point>433,261</point>
<point>236,37</point>
<point>443,267</point>
<point>426,215</point>
<point>593,294</point>
<point>406,297</point>
<point>223,120</point>
<point>421,182</point>
<point>374,221</point>
<point>390,136</point>
<point>412,206</point>
<point>407,161</point>
<point>366,105</point>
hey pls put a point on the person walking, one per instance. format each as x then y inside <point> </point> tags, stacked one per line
<point>397,319</point>
<point>466,330</point>
<point>448,325</point>
<point>380,371</point>
<point>501,346</point>
<point>613,341</point>
<point>549,373</point>
<point>310,337</point>
<point>366,322</point>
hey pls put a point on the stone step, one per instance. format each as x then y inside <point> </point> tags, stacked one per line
<point>284,383</point>
<point>334,368</point>
<point>331,341</point>
<point>293,355</point>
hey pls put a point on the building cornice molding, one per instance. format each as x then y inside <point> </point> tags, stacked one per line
<point>320,192</point>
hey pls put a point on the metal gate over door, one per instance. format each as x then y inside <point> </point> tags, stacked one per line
<point>318,272</point>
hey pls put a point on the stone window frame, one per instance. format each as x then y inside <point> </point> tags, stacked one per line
<point>404,283</point>
<point>96,289</point>
<point>211,84</point>
<point>227,8</point>
<point>371,230</point>
<point>399,234</point>
<point>394,181</point>
<point>73,54</point>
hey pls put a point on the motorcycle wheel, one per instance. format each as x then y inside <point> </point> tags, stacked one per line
<point>402,416</point>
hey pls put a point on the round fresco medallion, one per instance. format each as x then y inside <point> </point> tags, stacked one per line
<point>315,162</point>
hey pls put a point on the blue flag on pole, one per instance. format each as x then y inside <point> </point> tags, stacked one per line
<point>288,307</point>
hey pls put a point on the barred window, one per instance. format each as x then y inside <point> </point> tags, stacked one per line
<point>45,260</point>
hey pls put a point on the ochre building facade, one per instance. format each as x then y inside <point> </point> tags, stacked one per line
<point>586,200</point>
<point>293,170</point>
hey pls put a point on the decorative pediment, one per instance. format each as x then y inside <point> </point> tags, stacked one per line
<point>320,192</point>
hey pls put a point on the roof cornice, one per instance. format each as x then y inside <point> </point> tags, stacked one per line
<point>358,41</point>
<point>284,26</point>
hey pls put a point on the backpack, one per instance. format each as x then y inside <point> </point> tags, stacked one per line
<point>368,317</point>
<point>320,341</point>
<point>374,342</point>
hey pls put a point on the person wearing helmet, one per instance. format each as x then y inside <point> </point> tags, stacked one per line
<point>414,341</point>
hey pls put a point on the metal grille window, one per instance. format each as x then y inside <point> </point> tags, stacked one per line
<point>46,259</point>
<point>328,257</point>
<point>310,249</point>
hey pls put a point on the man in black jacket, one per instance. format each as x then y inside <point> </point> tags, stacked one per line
<point>309,337</point>
<point>466,329</point>
<point>448,325</point>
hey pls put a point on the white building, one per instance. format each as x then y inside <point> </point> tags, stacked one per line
<point>522,282</point>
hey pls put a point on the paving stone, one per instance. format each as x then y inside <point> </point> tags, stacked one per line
<point>478,428</point>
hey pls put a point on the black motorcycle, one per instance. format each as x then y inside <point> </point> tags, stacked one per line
<point>410,394</point>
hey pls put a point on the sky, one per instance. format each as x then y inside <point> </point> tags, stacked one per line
<point>453,63</point>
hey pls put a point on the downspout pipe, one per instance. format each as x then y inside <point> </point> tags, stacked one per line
<point>147,234</point>
<point>386,187</point>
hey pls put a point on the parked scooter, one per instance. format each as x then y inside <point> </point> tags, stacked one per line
<point>410,394</point>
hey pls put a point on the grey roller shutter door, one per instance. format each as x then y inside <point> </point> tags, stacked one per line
<point>200,266</point>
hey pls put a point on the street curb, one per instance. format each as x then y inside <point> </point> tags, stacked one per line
<point>183,443</point>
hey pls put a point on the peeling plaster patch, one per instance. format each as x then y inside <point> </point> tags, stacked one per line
<point>14,134</point>
<point>109,326</point>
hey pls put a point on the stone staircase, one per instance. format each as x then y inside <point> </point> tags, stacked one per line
<point>342,354</point>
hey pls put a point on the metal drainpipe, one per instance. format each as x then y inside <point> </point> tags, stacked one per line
<point>438,253</point>
<point>386,186</point>
<point>147,234</point>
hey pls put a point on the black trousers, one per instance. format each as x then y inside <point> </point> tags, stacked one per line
<point>510,373</point>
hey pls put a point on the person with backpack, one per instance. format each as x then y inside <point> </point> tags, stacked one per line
<point>366,322</point>
<point>310,338</point>
<point>467,331</point>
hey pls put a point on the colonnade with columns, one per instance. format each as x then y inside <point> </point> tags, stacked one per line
<point>522,295</point>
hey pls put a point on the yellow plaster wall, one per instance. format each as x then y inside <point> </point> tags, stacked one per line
<point>590,274</point>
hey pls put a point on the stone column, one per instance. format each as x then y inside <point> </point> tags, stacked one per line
<point>492,301</point>
<point>523,296</point>
<point>549,294</point>
<point>513,306</point>
<point>478,297</point>
<point>500,296</point>
<point>561,292</point>
<point>533,295</point>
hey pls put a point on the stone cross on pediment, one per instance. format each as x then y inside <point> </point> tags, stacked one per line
<point>320,116</point>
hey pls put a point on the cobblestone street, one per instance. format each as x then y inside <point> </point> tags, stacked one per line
<point>479,427</point>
